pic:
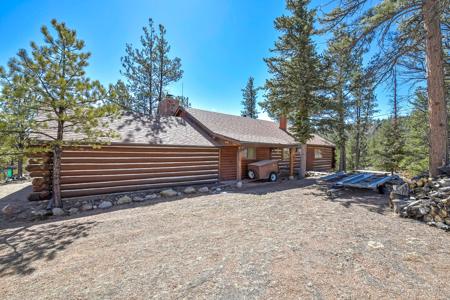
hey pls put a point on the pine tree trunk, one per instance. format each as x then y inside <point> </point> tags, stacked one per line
<point>56,186</point>
<point>56,175</point>
<point>435,84</point>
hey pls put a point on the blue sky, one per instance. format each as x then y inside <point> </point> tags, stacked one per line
<point>221,43</point>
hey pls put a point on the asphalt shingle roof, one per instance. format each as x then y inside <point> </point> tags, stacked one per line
<point>135,129</point>
<point>242,129</point>
<point>317,140</point>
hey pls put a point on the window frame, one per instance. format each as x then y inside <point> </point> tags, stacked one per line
<point>247,152</point>
<point>318,153</point>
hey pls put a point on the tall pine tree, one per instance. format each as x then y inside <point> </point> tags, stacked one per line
<point>149,70</point>
<point>249,94</point>
<point>294,87</point>
<point>64,99</point>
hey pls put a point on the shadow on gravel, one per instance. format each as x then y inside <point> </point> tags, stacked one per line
<point>20,247</point>
<point>367,199</point>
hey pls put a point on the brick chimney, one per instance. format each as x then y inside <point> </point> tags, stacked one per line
<point>283,123</point>
<point>168,106</point>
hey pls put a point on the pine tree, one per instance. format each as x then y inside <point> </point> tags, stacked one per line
<point>64,99</point>
<point>168,70</point>
<point>149,70</point>
<point>340,62</point>
<point>383,22</point>
<point>392,143</point>
<point>295,83</point>
<point>16,117</point>
<point>363,105</point>
<point>249,94</point>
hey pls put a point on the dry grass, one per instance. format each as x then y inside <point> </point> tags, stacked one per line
<point>292,243</point>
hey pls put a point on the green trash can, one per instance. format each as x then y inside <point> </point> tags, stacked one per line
<point>9,172</point>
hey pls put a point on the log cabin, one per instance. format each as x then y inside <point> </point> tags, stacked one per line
<point>320,154</point>
<point>183,146</point>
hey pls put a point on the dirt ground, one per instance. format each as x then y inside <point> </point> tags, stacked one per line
<point>279,241</point>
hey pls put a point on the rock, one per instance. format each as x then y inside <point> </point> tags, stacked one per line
<point>168,193</point>
<point>402,190</point>
<point>443,213</point>
<point>218,189</point>
<point>151,196</point>
<point>447,221</point>
<point>41,213</point>
<point>375,245</point>
<point>204,189</point>
<point>86,207</point>
<point>190,190</point>
<point>73,210</point>
<point>441,225</point>
<point>138,199</point>
<point>57,211</point>
<point>105,204</point>
<point>427,218</point>
<point>124,200</point>
<point>179,194</point>
<point>10,210</point>
<point>438,219</point>
<point>239,184</point>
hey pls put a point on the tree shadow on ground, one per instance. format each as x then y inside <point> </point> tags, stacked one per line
<point>20,247</point>
<point>368,199</point>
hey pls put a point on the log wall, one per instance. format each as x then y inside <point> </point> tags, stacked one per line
<point>228,163</point>
<point>324,164</point>
<point>87,171</point>
<point>283,164</point>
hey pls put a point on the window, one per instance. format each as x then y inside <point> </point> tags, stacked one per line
<point>250,153</point>
<point>285,154</point>
<point>317,153</point>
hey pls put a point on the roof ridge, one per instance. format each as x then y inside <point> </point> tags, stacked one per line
<point>221,113</point>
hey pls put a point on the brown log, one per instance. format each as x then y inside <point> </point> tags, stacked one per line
<point>106,154</point>
<point>38,196</point>
<point>119,177</point>
<point>97,184</point>
<point>92,166</point>
<point>161,158</point>
<point>38,168</point>
<point>44,174</point>
<point>41,188</point>
<point>166,169</point>
<point>117,189</point>
<point>40,181</point>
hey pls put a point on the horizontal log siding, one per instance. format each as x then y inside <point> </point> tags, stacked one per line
<point>261,154</point>
<point>325,164</point>
<point>228,163</point>
<point>87,171</point>
<point>283,164</point>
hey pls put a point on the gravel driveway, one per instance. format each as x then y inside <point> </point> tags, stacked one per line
<point>287,244</point>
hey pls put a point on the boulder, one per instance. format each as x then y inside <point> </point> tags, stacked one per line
<point>151,196</point>
<point>86,207</point>
<point>57,211</point>
<point>10,210</point>
<point>73,210</point>
<point>105,204</point>
<point>204,189</point>
<point>138,199</point>
<point>168,193</point>
<point>124,200</point>
<point>41,213</point>
<point>190,190</point>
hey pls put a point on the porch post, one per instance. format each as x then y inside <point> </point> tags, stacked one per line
<point>291,162</point>
<point>238,164</point>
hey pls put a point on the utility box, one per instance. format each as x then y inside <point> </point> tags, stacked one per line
<point>264,169</point>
